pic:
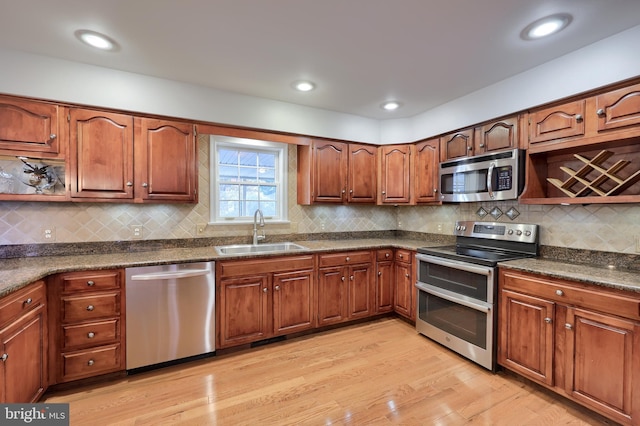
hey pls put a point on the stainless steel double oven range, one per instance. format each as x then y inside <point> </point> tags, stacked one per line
<point>457,286</point>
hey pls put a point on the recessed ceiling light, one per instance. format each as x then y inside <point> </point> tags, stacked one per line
<point>391,105</point>
<point>304,86</point>
<point>546,26</point>
<point>97,40</point>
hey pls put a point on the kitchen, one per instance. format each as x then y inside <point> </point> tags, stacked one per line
<point>602,227</point>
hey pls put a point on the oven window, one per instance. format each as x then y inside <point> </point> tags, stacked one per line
<point>452,279</point>
<point>463,322</point>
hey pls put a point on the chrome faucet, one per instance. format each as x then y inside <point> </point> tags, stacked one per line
<point>257,237</point>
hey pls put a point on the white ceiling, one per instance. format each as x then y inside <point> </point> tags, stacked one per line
<point>359,52</point>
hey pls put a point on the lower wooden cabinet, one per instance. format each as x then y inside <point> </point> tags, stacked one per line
<point>580,341</point>
<point>262,298</point>
<point>384,281</point>
<point>23,345</point>
<point>87,324</point>
<point>405,289</point>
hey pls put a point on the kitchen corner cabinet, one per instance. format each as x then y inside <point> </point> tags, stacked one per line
<point>404,296</point>
<point>87,332</point>
<point>119,157</point>
<point>581,341</point>
<point>384,281</point>
<point>336,172</point>
<point>23,345</point>
<point>345,286</point>
<point>31,128</point>
<point>394,174</point>
<point>425,174</point>
<point>262,298</point>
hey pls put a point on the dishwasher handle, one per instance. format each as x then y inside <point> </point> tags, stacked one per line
<point>169,275</point>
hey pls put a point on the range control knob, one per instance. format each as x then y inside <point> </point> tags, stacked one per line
<point>518,232</point>
<point>510,232</point>
<point>527,233</point>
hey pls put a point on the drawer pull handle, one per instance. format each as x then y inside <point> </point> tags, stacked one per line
<point>4,357</point>
<point>90,308</point>
<point>401,256</point>
<point>600,112</point>
<point>28,301</point>
<point>386,255</point>
<point>348,258</point>
<point>578,117</point>
<point>91,335</point>
<point>568,326</point>
<point>547,320</point>
<point>560,292</point>
<point>90,362</point>
<point>91,283</point>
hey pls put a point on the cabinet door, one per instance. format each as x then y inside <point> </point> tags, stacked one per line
<point>24,358</point>
<point>166,167</point>
<point>395,174</point>
<point>293,302</point>
<point>244,313</point>
<point>384,287</point>
<point>525,335</point>
<point>329,171</point>
<point>426,171</point>
<point>362,174</point>
<point>558,122</point>
<point>619,108</point>
<point>497,136</point>
<point>403,297</point>
<point>31,127</point>
<point>456,145</point>
<point>332,295</point>
<point>101,154</point>
<point>361,290</point>
<point>603,363</point>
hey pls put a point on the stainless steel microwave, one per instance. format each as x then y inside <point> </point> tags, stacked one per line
<point>487,177</point>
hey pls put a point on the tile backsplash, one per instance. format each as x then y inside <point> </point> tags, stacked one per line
<point>612,228</point>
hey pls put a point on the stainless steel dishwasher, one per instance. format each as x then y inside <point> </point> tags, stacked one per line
<point>170,312</point>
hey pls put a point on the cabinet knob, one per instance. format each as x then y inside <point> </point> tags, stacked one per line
<point>342,278</point>
<point>91,335</point>
<point>400,256</point>
<point>90,362</point>
<point>351,191</point>
<point>351,277</point>
<point>129,183</point>
<point>264,290</point>
<point>560,292</point>
<point>469,148</point>
<point>28,301</point>
<point>90,308</point>
<point>481,145</point>
<point>406,275</point>
<point>347,258</point>
<point>547,320</point>
<point>145,184</point>
<point>386,255</point>
<point>568,326</point>
<point>600,112</point>
<point>379,273</point>
<point>344,190</point>
<point>435,190</point>
<point>4,357</point>
<point>53,136</point>
<point>384,192</point>
<point>578,117</point>
<point>91,283</point>
<point>277,288</point>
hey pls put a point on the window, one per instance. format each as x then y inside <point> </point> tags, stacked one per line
<point>247,175</point>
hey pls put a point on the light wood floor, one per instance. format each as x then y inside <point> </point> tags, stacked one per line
<point>376,373</point>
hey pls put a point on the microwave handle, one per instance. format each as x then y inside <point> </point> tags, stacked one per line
<point>490,179</point>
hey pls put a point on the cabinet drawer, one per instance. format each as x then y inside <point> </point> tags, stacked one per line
<point>101,280</point>
<point>84,308</point>
<point>404,256</point>
<point>95,333</point>
<point>91,362</point>
<point>22,301</point>
<point>348,258</point>
<point>386,254</point>
<point>574,294</point>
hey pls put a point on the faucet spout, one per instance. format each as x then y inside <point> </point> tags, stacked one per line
<point>258,218</point>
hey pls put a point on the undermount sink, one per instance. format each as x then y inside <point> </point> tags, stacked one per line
<point>260,248</point>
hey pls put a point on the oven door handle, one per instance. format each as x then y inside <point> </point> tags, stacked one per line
<point>454,264</point>
<point>438,293</point>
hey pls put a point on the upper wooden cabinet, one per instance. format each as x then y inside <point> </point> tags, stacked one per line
<point>336,172</point>
<point>119,157</point>
<point>31,128</point>
<point>394,174</point>
<point>426,171</point>
<point>457,144</point>
<point>497,135</point>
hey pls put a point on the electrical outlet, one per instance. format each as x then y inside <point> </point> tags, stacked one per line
<point>200,228</point>
<point>136,232</point>
<point>439,228</point>
<point>49,234</point>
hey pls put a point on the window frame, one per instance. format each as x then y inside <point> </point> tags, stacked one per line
<point>251,145</point>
